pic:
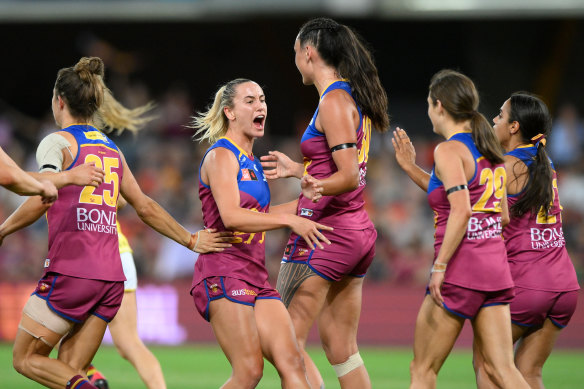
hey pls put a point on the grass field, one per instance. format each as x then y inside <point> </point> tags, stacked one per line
<point>205,367</point>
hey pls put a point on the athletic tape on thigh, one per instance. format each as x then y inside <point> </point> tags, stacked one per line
<point>349,365</point>
<point>37,309</point>
<point>36,336</point>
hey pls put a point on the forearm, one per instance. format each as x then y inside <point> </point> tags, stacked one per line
<point>156,217</point>
<point>245,220</point>
<point>340,182</point>
<point>297,170</point>
<point>60,179</point>
<point>418,175</point>
<point>18,181</point>
<point>28,212</point>
<point>289,208</point>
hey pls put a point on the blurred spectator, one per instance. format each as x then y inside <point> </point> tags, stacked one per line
<point>567,137</point>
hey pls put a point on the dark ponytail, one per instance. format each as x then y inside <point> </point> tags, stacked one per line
<point>460,99</point>
<point>340,47</point>
<point>534,120</point>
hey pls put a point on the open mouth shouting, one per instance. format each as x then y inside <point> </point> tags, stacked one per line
<point>259,121</point>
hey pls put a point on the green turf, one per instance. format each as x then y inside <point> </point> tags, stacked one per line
<point>204,366</point>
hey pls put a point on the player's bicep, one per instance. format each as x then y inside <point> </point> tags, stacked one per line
<point>337,118</point>
<point>223,180</point>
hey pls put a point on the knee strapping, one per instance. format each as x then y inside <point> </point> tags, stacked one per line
<point>349,365</point>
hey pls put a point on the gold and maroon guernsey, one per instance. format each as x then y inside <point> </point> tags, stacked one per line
<point>245,259</point>
<point>345,210</point>
<point>83,237</point>
<point>536,247</point>
<point>480,261</point>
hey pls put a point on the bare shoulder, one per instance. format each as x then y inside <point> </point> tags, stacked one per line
<point>337,99</point>
<point>449,149</point>
<point>220,158</point>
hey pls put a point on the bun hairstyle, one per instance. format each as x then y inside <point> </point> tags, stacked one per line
<point>89,100</point>
<point>460,99</point>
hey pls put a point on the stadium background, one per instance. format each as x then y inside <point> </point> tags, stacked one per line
<point>176,53</point>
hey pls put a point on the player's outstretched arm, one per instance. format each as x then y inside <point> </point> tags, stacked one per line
<point>86,174</point>
<point>156,217</point>
<point>18,181</point>
<point>405,154</point>
<point>29,212</point>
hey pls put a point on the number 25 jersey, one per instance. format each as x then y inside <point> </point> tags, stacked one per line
<point>83,237</point>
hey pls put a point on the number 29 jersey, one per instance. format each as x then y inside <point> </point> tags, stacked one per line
<point>83,237</point>
<point>480,261</point>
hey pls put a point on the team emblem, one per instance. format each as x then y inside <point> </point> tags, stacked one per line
<point>248,175</point>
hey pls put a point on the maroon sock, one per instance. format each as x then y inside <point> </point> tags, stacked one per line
<point>79,382</point>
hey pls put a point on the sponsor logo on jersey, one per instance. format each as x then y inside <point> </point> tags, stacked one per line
<point>47,262</point>
<point>485,228</point>
<point>97,220</point>
<point>243,292</point>
<point>248,175</point>
<point>306,212</point>
<point>95,135</point>
<point>547,238</point>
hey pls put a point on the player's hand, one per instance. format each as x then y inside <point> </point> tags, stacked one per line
<point>435,286</point>
<point>405,153</point>
<point>208,241</point>
<point>86,174</point>
<point>279,165</point>
<point>49,193</point>
<point>311,188</point>
<point>310,231</point>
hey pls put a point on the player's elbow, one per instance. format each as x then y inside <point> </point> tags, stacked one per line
<point>462,213</point>
<point>9,181</point>
<point>231,223</point>
<point>351,180</point>
<point>145,209</point>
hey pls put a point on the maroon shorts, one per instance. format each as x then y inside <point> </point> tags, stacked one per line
<point>233,289</point>
<point>466,303</point>
<point>531,307</point>
<point>350,253</point>
<point>76,298</point>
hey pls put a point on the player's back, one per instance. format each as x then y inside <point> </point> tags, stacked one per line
<point>83,239</point>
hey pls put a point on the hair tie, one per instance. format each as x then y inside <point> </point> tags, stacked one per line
<point>539,138</point>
